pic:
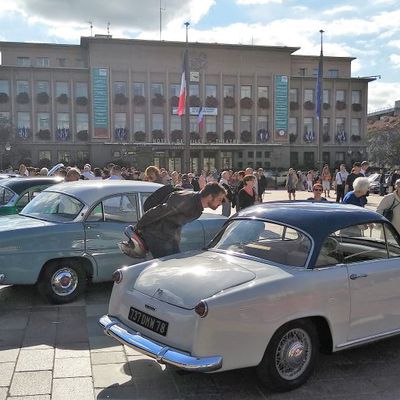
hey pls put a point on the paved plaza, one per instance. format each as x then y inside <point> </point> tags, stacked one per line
<point>59,352</point>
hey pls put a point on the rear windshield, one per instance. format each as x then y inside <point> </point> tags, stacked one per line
<point>266,240</point>
<point>53,207</point>
<point>5,195</point>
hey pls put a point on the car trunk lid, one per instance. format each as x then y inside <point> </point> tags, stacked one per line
<point>184,281</point>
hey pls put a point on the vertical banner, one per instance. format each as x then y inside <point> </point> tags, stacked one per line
<point>100,103</point>
<point>281,108</point>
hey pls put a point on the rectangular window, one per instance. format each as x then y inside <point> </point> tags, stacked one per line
<point>82,155</point>
<point>339,125</point>
<point>4,86</point>
<point>245,91</point>
<point>356,126</point>
<point>81,89</point>
<point>326,125</point>
<point>309,159</point>
<point>250,154</point>
<point>62,62</point>
<point>62,88</point>
<point>23,62</point>
<point>309,125</point>
<point>302,71</point>
<point>245,123</point>
<point>120,88</point>
<point>229,90</point>
<point>194,90</point>
<point>120,120</point>
<point>176,123</point>
<point>293,125</point>
<point>258,154</point>
<point>341,95</point>
<point>157,89</point>
<point>309,95</point>
<point>262,123</point>
<point>43,62</point>
<point>82,122</point>
<point>194,125</point>
<point>333,73</point>
<point>211,90</point>
<point>138,89</point>
<point>23,87</point>
<point>64,156</point>
<point>267,154</point>
<point>340,156</point>
<point>263,92</point>
<point>44,155</point>
<point>294,95</point>
<point>211,123</point>
<point>139,122</point>
<point>327,96</point>
<point>62,126</point>
<point>228,123</point>
<point>315,71</point>
<point>42,87</point>
<point>43,121</point>
<point>356,97</point>
<point>23,120</point>
<point>174,89</point>
<point>158,121</point>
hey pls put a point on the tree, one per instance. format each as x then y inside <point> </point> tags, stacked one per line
<point>384,141</point>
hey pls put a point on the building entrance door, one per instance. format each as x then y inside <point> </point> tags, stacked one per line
<point>209,162</point>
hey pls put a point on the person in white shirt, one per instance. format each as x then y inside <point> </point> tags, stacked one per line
<point>87,172</point>
<point>115,172</point>
<point>340,179</point>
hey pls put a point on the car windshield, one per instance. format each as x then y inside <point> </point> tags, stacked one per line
<point>267,240</point>
<point>5,195</point>
<point>54,207</point>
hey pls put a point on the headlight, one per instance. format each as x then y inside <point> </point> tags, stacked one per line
<point>201,309</point>
<point>117,276</point>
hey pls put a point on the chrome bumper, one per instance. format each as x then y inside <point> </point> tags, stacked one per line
<point>166,355</point>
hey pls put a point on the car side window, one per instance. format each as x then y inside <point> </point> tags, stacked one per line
<point>357,243</point>
<point>121,208</point>
<point>23,200</point>
<point>392,241</point>
<point>5,195</point>
<point>96,214</point>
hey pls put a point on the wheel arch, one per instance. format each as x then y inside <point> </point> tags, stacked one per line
<point>82,261</point>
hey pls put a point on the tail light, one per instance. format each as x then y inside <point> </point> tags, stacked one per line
<point>201,309</point>
<point>117,276</point>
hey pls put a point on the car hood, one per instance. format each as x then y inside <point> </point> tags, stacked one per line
<point>184,281</point>
<point>8,222</point>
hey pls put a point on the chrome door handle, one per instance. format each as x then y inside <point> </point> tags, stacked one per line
<point>356,276</point>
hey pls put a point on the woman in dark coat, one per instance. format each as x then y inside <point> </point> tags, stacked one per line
<point>247,195</point>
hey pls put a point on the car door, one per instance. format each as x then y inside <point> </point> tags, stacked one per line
<point>104,229</point>
<point>372,256</point>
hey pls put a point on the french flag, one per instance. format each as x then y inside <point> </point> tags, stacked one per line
<point>183,90</point>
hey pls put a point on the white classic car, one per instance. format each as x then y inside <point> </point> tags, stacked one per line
<point>280,283</point>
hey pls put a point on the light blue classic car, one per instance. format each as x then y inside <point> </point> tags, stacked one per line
<point>69,234</point>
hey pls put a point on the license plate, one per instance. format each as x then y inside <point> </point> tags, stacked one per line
<point>147,321</point>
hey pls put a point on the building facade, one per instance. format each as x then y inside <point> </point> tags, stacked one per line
<point>116,100</point>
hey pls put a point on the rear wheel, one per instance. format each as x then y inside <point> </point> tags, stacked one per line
<point>290,356</point>
<point>62,281</point>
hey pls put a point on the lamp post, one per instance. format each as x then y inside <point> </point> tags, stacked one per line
<point>5,150</point>
<point>186,130</point>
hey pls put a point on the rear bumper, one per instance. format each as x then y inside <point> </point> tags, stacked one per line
<point>163,354</point>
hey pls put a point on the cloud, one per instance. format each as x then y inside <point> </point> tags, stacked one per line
<point>338,10</point>
<point>395,60</point>
<point>253,2</point>
<point>394,43</point>
<point>124,14</point>
<point>382,95</point>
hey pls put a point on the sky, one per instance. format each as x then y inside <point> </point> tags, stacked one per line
<point>366,29</point>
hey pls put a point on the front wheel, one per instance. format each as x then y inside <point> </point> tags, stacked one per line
<point>62,281</point>
<point>290,356</point>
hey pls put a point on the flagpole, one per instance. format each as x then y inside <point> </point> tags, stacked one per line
<point>320,100</point>
<point>186,130</point>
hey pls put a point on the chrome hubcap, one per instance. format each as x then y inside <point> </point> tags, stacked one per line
<point>64,281</point>
<point>293,354</point>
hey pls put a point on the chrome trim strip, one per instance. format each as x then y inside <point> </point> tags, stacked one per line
<point>163,354</point>
<point>369,339</point>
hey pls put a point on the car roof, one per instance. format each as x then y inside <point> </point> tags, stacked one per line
<point>318,219</point>
<point>19,185</point>
<point>90,191</point>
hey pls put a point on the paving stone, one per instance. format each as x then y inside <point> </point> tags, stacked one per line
<point>11,337</point>
<point>40,397</point>
<point>103,343</point>
<point>108,357</point>
<point>7,354</point>
<point>111,374</point>
<point>68,332</point>
<point>72,389</point>
<point>3,393</point>
<point>96,310</point>
<point>31,383</point>
<point>35,360</point>
<point>14,319</point>
<point>6,372</point>
<point>73,350</point>
<point>117,393</point>
<point>72,367</point>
